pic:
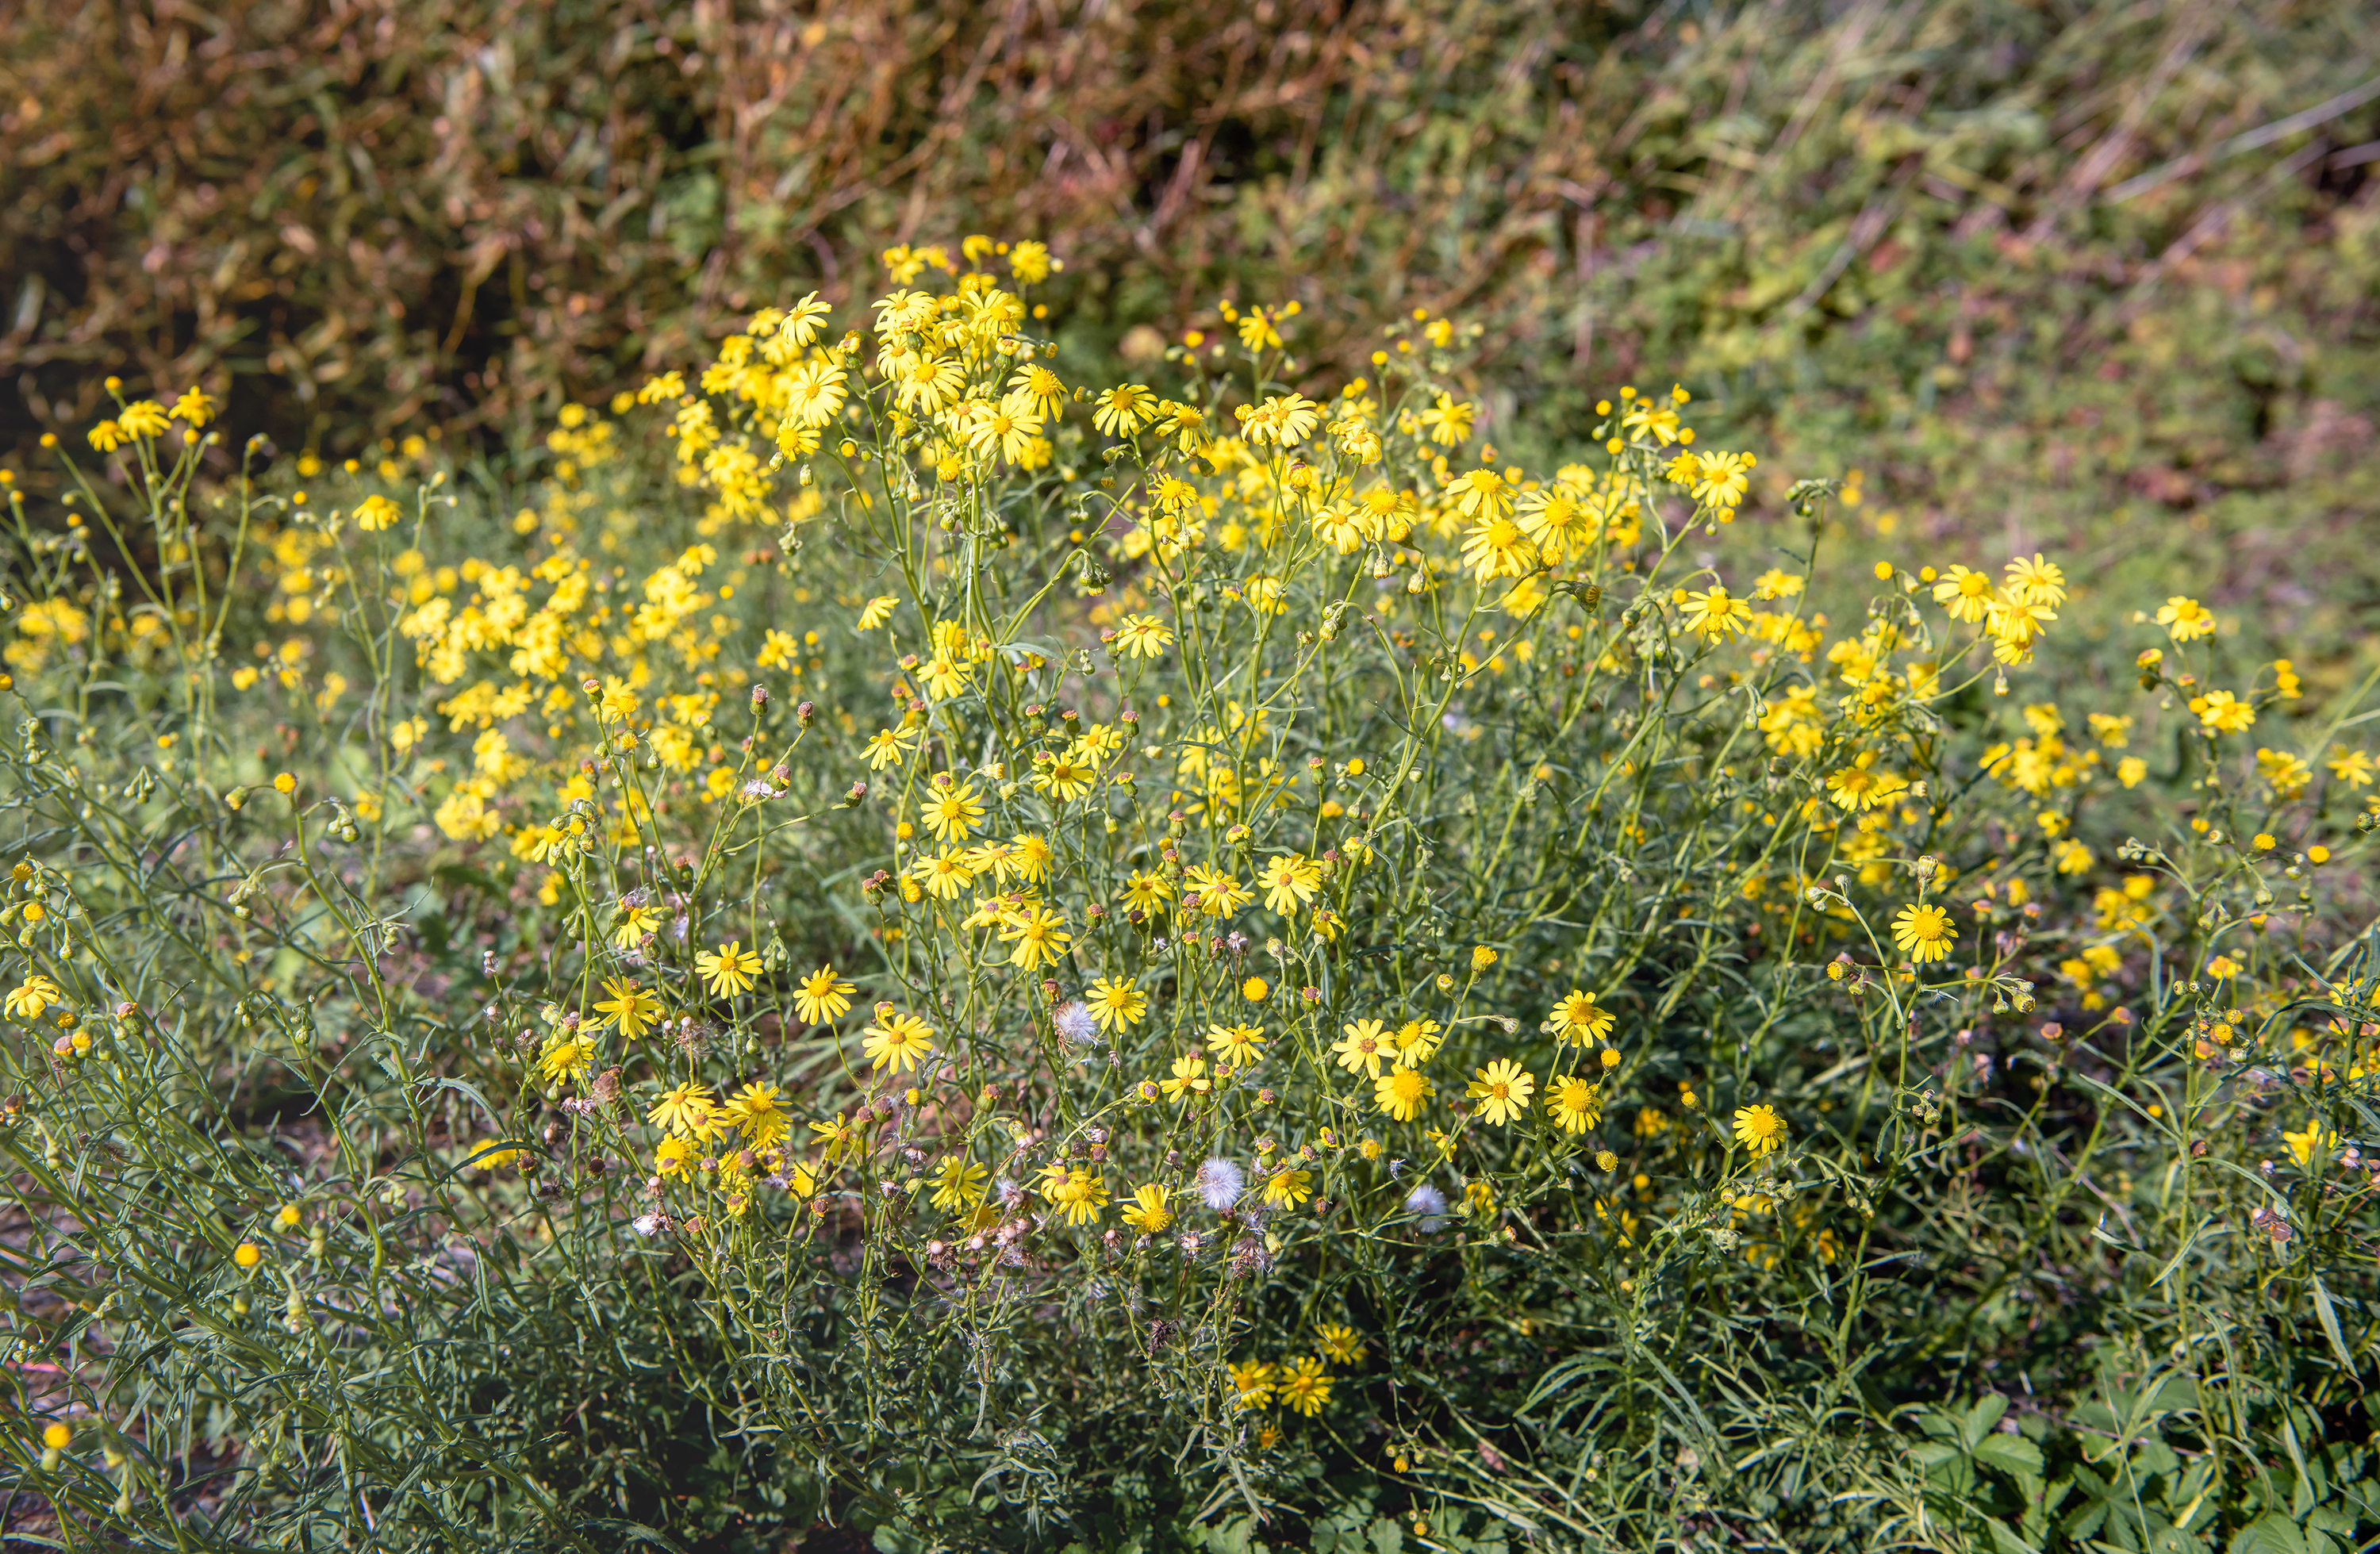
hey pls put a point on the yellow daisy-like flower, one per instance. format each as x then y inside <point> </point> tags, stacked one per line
<point>1036,936</point>
<point>1363,1047</point>
<point>1078,1195</point>
<point>1579,1019</point>
<point>1287,1189</point>
<point>730,970</point>
<point>2186,618</point>
<point>1401,1092</point>
<point>1305,1386</point>
<point>682,1111</point>
<point>1861,785</point>
<point>1189,1078</point>
<point>953,811</point>
<point>958,1183</point>
<point>822,997</point>
<point>1502,1089</point>
<point>897,1041</point>
<point>1142,637</point>
<point>633,1008</point>
<point>1114,1003</point>
<point>33,996</point>
<point>1252,1383</point>
<point>1924,934</point>
<point>1575,1104</point>
<point>1759,1129</point>
<point>1340,1342</point>
<point>1717,614</point>
<point>1237,1045</point>
<point>755,1114</point>
<point>1148,1213</point>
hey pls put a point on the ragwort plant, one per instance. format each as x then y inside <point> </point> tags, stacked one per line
<point>925,946</point>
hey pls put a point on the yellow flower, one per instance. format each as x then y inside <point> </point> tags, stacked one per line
<point>1340,1342</point>
<point>1124,409</point>
<point>1759,1129</point>
<point>1502,1088</point>
<point>246,1254</point>
<point>897,1041</point>
<point>732,970</point>
<point>1575,1104</point>
<point>1252,1383</point>
<point>755,1114</point>
<point>1304,1387</point>
<point>1363,1046</point>
<point>1078,1195</point>
<point>1141,637</point>
<point>822,997</point>
<point>107,436</point>
<point>195,408</point>
<point>1148,1213</point>
<point>1579,1019</point>
<point>633,1008</point>
<point>1037,935</point>
<point>876,611</point>
<point>634,924</point>
<point>143,418</point>
<point>683,1109</point>
<point>1189,1078</point>
<point>2315,1141</point>
<point>2222,712</point>
<point>1238,1045</point>
<point>1717,614</point>
<point>2352,767</point>
<point>1860,786</point>
<point>1114,1003</point>
<point>1289,881</point>
<point>567,1059</point>
<point>958,1183</point>
<point>1924,934</point>
<point>2186,618</point>
<point>1401,1092</point>
<point>954,810</point>
<point>1287,1189</point>
<point>33,996</point>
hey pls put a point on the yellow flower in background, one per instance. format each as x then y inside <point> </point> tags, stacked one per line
<point>2313,1142</point>
<point>2186,619</point>
<point>1305,1386</point>
<point>958,1183</point>
<point>1502,1089</point>
<point>730,970</point>
<point>1578,1019</point>
<point>1924,934</point>
<point>1116,1002</point>
<point>822,997</point>
<point>1288,1188</point>
<point>1575,1103</point>
<point>2352,767</point>
<point>33,996</point>
<point>1147,1212</point>
<point>1401,1092</point>
<point>631,1008</point>
<point>1759,1129</point>
<point>897,1041</point>
<point>682,1110</point>
<point>876,611</point>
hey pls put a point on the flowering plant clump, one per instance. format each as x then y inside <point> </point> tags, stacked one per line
<point>926,904</point>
